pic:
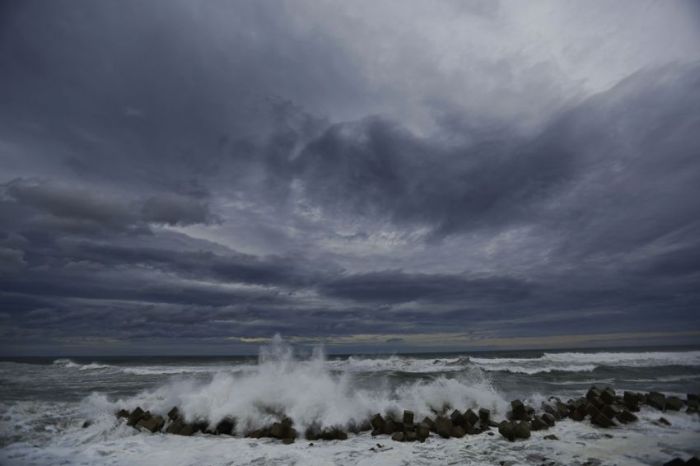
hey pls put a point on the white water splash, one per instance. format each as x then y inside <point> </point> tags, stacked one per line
<point>308,391</point>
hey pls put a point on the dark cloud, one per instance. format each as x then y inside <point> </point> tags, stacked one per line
<point>232,267</point>
<point>71,204</point>
<point>175,210</point>
<point>373,167</point>
<point>397,287</point>
<point>602,151</point>
<point>86,206</point>
<point>208,172</point>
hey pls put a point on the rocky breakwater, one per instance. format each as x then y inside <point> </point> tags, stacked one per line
<point>603,407</point>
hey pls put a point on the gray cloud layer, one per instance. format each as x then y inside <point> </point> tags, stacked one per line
<point>186,176</point>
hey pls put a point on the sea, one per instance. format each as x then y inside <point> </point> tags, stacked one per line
<point>60,411</point>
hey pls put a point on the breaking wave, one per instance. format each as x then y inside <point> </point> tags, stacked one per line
<point>309,392</point>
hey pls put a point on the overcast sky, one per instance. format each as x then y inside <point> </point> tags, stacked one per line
<point>193,177</point>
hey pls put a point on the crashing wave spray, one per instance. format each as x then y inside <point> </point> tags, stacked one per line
<point>309,392</point>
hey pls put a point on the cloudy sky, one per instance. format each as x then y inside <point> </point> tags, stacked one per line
<point>193,177</point>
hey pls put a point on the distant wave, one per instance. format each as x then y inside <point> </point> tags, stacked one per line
<point>70,364</point>
<point>398,364</point>
<point>516,369</point>
<point>544,364</point>
<point>587,362</point>
<point>173,370</point>
<point>147,370</point>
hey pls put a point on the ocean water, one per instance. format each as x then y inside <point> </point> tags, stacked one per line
<point>45,402</point>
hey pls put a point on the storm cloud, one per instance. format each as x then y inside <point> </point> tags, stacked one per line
<point>193,176</point>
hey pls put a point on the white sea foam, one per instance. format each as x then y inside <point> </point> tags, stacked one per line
<point>107,441</point>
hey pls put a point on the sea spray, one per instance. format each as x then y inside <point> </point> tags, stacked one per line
<point>310,392</point>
